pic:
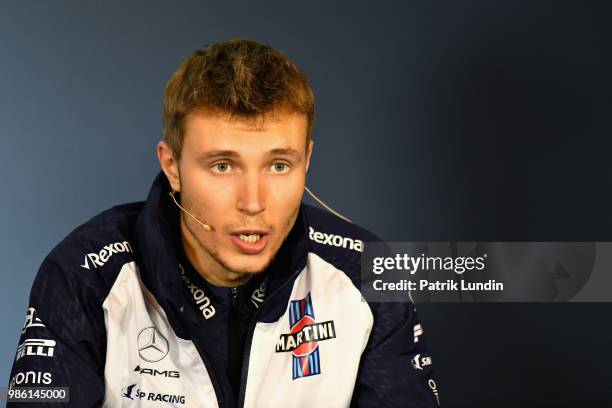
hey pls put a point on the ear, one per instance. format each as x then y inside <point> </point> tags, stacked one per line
<point>309,153</point>
<point>169,165</point>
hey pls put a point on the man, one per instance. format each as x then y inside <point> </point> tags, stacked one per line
<point>222,289</point>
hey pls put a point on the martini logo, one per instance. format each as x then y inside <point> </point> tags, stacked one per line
<point>152,345</point>
<point>304,337</point>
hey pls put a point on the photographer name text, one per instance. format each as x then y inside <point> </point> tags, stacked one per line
<point>436,285</point>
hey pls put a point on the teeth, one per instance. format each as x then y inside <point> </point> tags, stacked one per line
<point>250,238</point>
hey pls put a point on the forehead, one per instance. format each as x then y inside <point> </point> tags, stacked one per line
<point>206,131</point>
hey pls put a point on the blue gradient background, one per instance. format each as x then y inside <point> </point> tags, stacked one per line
<point>479,120</point>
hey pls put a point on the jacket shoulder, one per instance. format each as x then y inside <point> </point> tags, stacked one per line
<point>329,230</point>
<point>97,249</point>
<point>337,241</point>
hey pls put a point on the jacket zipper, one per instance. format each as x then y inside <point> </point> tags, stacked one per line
<point>249,340</point>
<point>211,372</point>
<point>235,297</point>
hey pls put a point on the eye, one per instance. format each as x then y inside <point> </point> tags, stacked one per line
<point>280,167</point>
<point>222,167</point>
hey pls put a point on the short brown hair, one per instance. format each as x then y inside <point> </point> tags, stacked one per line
<point>240,77</point>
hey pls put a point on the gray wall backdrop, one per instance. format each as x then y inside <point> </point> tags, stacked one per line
<point>471,120</point>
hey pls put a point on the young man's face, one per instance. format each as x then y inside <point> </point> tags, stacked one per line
<point>246,179</point>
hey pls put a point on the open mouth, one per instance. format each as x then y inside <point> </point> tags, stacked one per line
<point>249,242</point>
<point>252,238</point>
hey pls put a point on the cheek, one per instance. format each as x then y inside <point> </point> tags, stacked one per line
<point>209,195</point>
<point>285,195</point>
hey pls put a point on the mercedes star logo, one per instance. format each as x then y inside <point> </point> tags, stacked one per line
<point>152,345</point>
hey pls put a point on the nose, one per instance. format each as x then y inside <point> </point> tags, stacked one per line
<point>251,194</point>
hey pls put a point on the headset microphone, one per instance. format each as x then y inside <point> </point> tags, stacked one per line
<point>327,207</point>
<point>207,227</point>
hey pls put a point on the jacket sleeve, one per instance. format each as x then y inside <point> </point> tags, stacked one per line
<point>61,344</point>
<point>395,368</point>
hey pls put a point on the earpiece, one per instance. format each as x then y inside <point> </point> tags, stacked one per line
<point>207,227</point>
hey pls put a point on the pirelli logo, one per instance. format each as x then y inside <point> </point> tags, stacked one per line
<point>35,347</point>
<point>307,334</point>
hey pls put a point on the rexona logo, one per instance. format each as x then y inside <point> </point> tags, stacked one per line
<point>99,259</point>
<point>35,347</point>
<point>133,392</point>
<point>302,341</point>
<point>335,240</point>
<point>199,297</point>
<point>157,373</point>
<point>258,295</point>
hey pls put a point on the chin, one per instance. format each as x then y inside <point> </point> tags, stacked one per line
<point>247,269</point>
<point>251,266</point>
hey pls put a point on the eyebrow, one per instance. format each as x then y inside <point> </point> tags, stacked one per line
<point>286,152</point>
<point>215,154</point>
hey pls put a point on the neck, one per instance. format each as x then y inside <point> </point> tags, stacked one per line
<point>206,265</point>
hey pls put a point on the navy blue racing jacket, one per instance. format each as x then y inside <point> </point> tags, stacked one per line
<point>118,316</point>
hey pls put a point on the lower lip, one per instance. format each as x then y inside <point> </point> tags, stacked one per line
<point>250,248</point>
